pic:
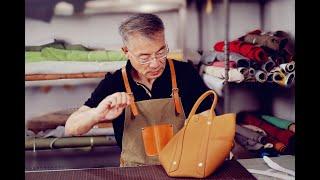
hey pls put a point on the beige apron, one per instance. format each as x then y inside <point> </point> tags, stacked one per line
<point>149,125</point>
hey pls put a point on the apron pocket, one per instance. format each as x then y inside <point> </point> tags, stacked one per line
<point>156,137</point>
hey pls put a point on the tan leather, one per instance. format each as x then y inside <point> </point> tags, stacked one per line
<point>156,137</point>
<point>202,145</point>
<point>175,90</point>
<point>128,90</point>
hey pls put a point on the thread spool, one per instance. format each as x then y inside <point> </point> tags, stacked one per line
<point>261,76</point>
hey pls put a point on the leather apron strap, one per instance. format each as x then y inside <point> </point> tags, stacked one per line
<point>175,90</point>
<point>128,90</point>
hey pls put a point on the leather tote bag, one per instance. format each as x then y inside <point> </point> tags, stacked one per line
<point>202,145</point>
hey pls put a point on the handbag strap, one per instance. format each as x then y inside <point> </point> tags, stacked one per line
<point>199,101</point>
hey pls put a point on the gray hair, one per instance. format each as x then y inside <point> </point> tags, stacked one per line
<point>144,24</point>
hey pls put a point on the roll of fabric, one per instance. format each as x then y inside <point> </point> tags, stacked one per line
<point>279,134</point>
<point>279,78</point>
<point>248,133</point>
<point>208,57</point>
<point>232,56</point>
<point>270,77</point>
<point>252,72</point>
<point>68,142</point>
<point>254,65</point>
<point>219,72</point>
<point>268,66</point>
<point>278,122</point>
<point>290,78</point>
<point>249,144</point>
<point>60,132</point>
<point>270,152</point>
<point>244,71</point>
<point>277,145</point>
<point>243,63</point>
<point>288,67</point>
<point>213,83</point>
<point>53,54</point>
<point>232,64</point>
<point>255,129</point>
<point>248,50</point>
<point>266,40</point>
<point>261,76</point>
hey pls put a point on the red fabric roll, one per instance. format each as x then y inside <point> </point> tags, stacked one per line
<point>279,134</point>
<point>232,64</point>
<point>246,49</point>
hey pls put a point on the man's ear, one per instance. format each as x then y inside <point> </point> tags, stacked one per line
<point>125,51</point>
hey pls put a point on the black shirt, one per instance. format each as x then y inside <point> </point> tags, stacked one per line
<point>190,85</point>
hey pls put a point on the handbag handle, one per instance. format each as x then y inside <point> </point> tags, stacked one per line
<point>199,101</point>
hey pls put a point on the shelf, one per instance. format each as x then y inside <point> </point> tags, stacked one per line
<point>124,6</point>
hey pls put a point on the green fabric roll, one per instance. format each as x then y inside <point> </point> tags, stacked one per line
<point>33,56</point>
<point>280,123</point>
<point>53,54</point>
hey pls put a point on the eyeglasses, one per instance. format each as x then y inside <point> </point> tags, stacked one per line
<point>147,59</point>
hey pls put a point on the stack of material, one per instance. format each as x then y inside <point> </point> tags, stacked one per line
<point>48,132</point>
<point>254,57</point>
<point>264,134</point>
<point>61,60</point>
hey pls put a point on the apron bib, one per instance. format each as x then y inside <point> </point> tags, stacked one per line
<point>149,125</point>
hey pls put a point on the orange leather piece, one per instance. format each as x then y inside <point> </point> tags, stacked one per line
<point>175,90</point>
<point>156,137</point>
<point>202,145</point>
<point>128,89</point>
<point>279,146</point>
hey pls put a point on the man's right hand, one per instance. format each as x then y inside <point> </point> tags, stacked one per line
<point>112,106</point>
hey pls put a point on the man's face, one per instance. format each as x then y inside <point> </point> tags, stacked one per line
<point>142,48</point>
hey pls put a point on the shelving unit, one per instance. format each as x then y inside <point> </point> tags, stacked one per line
<point>226,17</point>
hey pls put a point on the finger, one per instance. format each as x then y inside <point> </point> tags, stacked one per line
<point>123,99</point>
<point>113,101</point>
<point>118,99</point>
<point>129,99</point>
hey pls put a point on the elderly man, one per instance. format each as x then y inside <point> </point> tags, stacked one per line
<point>147,100</point>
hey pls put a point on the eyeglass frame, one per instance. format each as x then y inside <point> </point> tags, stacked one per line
<point>138,59</point>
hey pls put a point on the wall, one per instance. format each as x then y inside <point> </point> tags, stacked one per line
<point>244,17</point>
<point>100,30</point>
<point>280,15</point>
<point>92,31</point>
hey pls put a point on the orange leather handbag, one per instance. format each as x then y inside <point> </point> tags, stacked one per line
<point>202,145</point>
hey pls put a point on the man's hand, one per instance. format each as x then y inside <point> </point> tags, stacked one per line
<point>112,106</point>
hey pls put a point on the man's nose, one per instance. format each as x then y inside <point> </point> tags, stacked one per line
<point>154,61</point>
